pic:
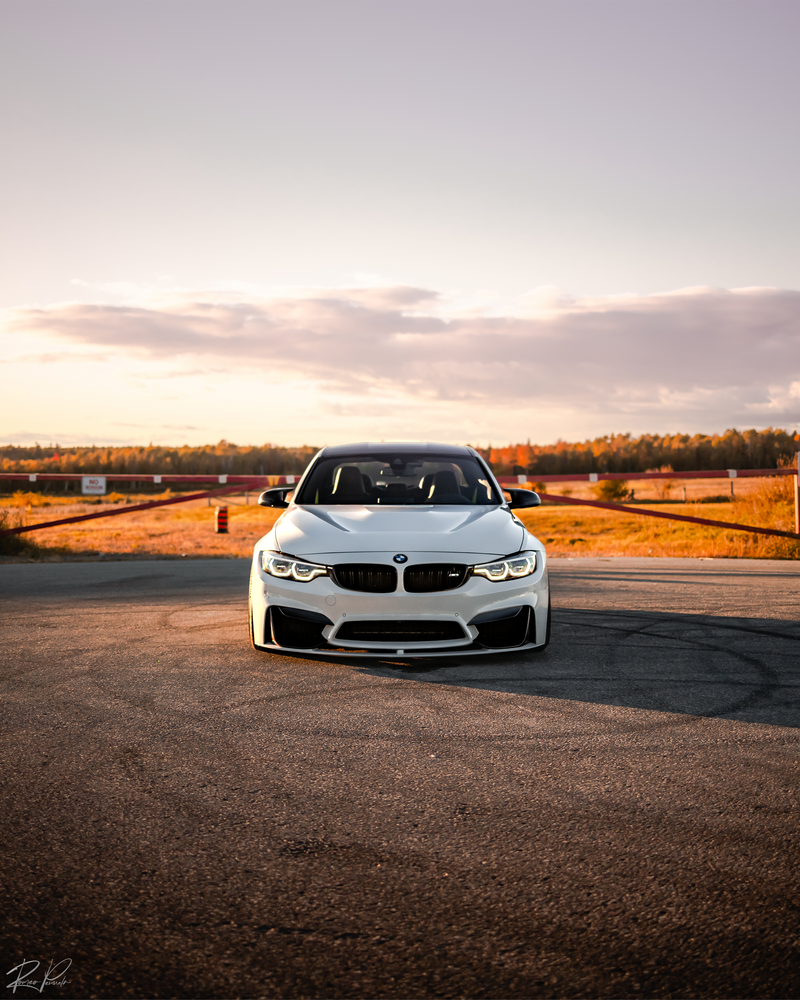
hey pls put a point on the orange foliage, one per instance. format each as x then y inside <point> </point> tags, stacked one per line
<point>623,453</point>
<point>217,459</point>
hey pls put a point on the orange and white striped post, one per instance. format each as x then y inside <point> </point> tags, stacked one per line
<point>221,520</point>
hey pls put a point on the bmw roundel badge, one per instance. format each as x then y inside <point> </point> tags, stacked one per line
<point>400,558</point>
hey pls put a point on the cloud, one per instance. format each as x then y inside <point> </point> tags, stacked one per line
<point>166,427</point>
<point>56,358</point>
<point>697,357</point>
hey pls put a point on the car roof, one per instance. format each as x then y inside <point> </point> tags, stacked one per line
<point>396,448</point>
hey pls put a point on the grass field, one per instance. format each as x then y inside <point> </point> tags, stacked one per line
<point>571,531</point>
<point>180,531</point>
<point>187,531</point>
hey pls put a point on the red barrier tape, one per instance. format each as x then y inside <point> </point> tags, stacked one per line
<point>128,509</point>
<point>670,517</point>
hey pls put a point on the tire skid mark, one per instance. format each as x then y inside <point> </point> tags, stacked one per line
<point>701,620</point>
<point>769,680</point>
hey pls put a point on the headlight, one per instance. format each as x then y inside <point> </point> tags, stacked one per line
<point>507,569</point>
<point>287,568</point>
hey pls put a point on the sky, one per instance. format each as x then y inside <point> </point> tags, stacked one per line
<point>318,222</point>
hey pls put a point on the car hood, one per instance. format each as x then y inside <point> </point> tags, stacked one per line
<point>316,532</point>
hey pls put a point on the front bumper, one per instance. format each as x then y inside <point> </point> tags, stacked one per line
<point>478,618</point>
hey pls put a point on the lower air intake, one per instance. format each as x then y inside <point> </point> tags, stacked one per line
<point>297,629</point>
<point>505,632</point>
<point>398,632</point>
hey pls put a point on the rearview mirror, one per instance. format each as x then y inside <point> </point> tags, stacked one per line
<point>275,497</point>
<point>523,498</point>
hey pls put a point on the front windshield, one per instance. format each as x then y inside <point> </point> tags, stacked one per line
<point>398,479</point>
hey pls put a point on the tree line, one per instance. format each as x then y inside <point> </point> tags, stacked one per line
<point>649,452</point>
<point>211,459</point>
<point>613,453</point>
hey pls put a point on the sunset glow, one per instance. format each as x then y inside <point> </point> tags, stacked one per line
<point>339,220</point>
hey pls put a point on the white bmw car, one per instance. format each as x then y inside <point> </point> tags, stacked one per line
<point>395,551</point>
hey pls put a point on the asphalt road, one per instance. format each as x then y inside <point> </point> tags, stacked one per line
<point>618,816</point>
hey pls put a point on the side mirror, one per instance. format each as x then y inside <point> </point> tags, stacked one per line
<point>523,498</point>
<point>275,497</point>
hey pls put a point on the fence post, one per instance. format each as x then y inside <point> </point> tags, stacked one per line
<point>797,497</point>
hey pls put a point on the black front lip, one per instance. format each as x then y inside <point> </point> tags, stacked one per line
<point>338,652</point>
<point>454,647</point>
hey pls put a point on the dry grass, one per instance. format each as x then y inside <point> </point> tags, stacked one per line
<point>15,545</point>
<point>184,531</point>
<point>768,503</point>
<point>661,490</point>
<point>187,531</point>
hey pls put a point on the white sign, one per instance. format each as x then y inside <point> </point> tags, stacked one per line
<point>93,485</point>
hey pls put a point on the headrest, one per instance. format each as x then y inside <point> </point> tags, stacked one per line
<point>348,481</point>
<point>444,482</point>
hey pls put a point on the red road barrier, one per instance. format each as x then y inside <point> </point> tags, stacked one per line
<point>286,480</point>
<point>596,477</point>
<point>128,509</point>
<point>137,477</point>
<point>238,483</point>
<point>670,517</point>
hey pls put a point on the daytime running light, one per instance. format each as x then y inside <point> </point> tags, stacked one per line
<point>507,569</point>
<point>286,568</point>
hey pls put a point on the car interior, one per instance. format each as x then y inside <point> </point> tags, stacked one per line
<point>398,480</point>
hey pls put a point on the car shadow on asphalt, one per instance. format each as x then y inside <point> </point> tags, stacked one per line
<point>717,667</point>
